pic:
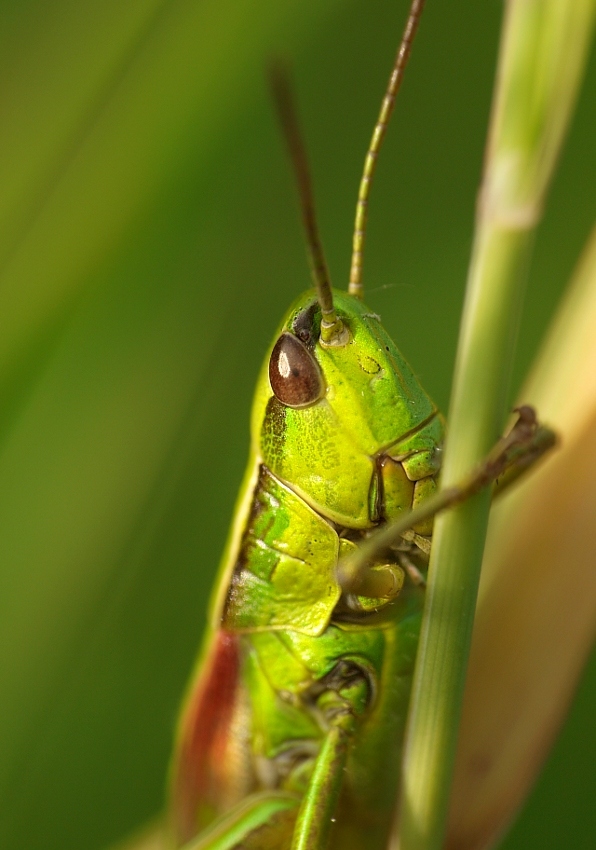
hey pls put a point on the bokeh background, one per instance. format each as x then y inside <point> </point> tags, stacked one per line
<point>149,243</point>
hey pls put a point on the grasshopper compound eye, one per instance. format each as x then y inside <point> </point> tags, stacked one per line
<point>294,374</point>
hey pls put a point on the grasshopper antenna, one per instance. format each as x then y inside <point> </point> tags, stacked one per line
<point>333,331</point>
<point>401,60</point>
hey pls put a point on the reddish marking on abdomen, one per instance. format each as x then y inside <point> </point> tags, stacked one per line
<point>201,765</point>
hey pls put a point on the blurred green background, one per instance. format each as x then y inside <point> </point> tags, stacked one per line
<point>149,243</point>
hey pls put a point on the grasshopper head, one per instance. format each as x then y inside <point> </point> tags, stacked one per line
<point>324,413</point>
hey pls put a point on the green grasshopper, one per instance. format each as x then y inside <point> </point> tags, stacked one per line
<point>292,729</point>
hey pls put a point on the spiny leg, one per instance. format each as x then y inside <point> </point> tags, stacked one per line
<point>525,454</point>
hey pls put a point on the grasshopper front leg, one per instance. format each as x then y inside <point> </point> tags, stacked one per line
<point>510,457</point>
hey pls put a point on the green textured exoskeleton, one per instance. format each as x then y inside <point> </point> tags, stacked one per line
<point>293,725</point>
<point>343,439</point>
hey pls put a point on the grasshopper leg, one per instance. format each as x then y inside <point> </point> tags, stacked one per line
<point>273,821</point>
<point>264,821</point>
<point>509,458</point>
<point>316,815</point>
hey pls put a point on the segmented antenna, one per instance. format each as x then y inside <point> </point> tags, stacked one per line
<point>332,329</point>
<point>370,162</point>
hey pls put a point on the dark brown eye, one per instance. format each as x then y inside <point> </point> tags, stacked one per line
<point>294,373</point>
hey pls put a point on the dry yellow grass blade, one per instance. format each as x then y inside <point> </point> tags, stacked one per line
<point>536,615</point>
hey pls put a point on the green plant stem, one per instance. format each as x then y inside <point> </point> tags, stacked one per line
<point>488,328</point>
<point>542,54</point>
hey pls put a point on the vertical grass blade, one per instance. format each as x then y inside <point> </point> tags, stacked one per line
<point>543,50</point>
<point>536,612</point>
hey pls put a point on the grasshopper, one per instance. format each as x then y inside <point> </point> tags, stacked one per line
<point>292,728</point>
